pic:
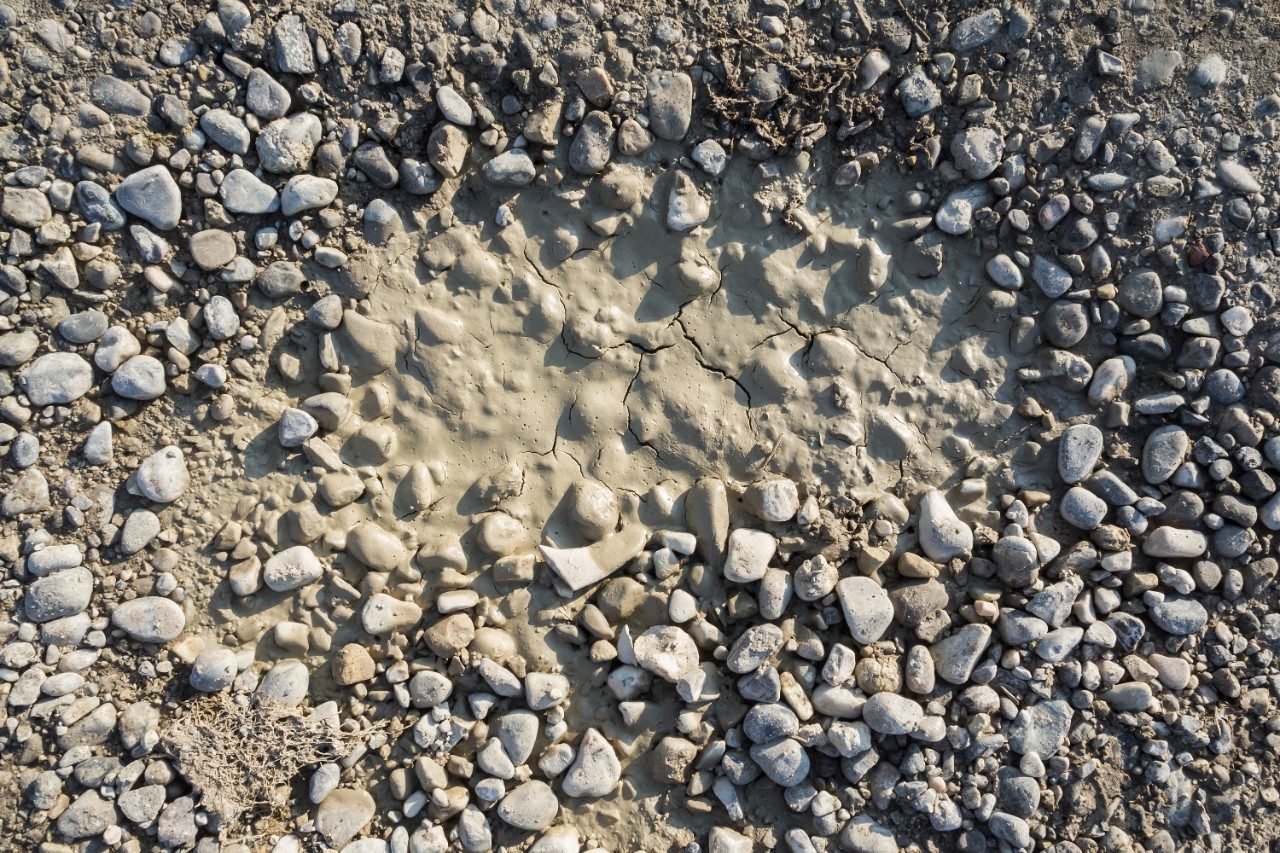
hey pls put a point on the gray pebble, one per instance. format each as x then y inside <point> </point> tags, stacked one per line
<point>152,195</point>
<point>139,378</point>
<point>57,378</point>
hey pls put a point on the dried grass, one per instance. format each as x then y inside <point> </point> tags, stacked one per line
<point>243,758</point>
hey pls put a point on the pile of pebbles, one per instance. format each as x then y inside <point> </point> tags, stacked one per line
<point>1067,648</point>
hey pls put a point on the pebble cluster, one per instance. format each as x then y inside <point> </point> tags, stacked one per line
<point>1016,659</point>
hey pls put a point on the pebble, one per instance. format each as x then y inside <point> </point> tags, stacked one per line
<point>139,378</point>
<point>58,595</point>
<point>162,477</point>
<point>867,609</point>
<point>1079,449</point>
<point>306,192</point>
<point>748,555</point>
<point>213,670</point>
<point>531,806</point>
<point>891,714</point>
<point>977,151</point>
<point>292,568</point>
<point>57,378</point>
<point>152,195</point>
<point>150,619</point>
<point>244,192</point>
<point>942,535</point>
<point>595,770</point>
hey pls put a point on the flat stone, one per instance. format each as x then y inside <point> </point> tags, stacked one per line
<point>213,670</point>
<point>58,595</point>
<point>212,249</point>
<point>942,535</point>
<point>891,714</point>
<point>531,806</point>
<point>153,195</point>
<point>139,378</point>
<point>57,378</point>
<point>670,96</point>
<point>307,192</point>
<point>1179,615</point>
<point>343,814</point>
<point>1079,449</point>
<point>1041,729</point>
<point>244,192</point>
<point>667,651</point>
<point>383,615</point>
<point>150,619</point>
<point>956,656</point>
<point>867,609</point>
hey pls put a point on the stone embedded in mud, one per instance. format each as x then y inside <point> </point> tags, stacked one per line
<point>942,535</point>
<point>687,207</point>
<point>383,615</point>
<point>595,770</point>
<point>292,568</point>
<point>376,548</point>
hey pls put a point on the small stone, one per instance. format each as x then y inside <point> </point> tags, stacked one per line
<point>150,619</point>
<point>344,813</point>
<point>139,378</point>
<point>1211,72</point>
<point>292,568</point>
<point>162,477</point>
<point>977,151</point>
<point>1179,616</point>
<point>531,806</point>
<point>1079,449</point>
<point>244,192</point>
<point>867,608</point>
<point>1235,176</point>
<point>286,683</point>
<point>152,195</point>
<point>511,168</point>
<point>383,615</point>
<point>213,670</point>
<point>1082,509</point>
<point>352,665</point>
<point>286,145</point>
<point>296,426</point>
<point>891,714</point>
<point>454,108</point>
<point>59,595</point>
<point>942,535</point>
<point>307,192</point>
<point>226,130</point>
<point>57,378</point>
<point>1041,729</point>
<point>595,770</point>
<point>212,249</point>
<point>957,655</point>
<point>748,555</point>
<point>220,318</point>
<point>666,651</point>
<point>687,207</point>
<point>670,104</point>
<point>918,94</point>
<point>1004,272</point>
